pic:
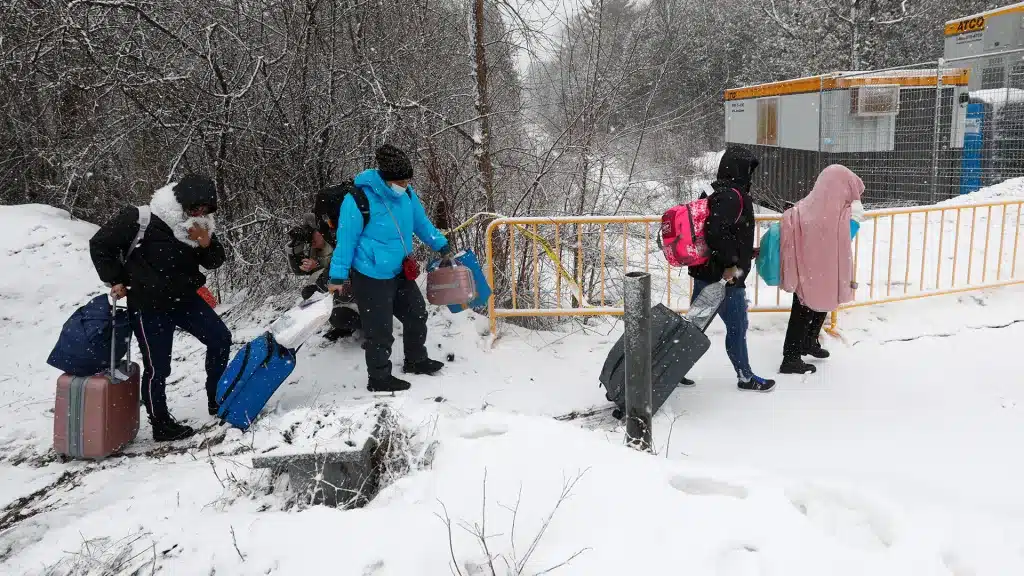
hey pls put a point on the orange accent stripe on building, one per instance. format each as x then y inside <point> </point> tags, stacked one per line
<point>820,83</point>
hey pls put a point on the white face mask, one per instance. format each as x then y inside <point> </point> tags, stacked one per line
<point>857,211</point>
<point>398,189</point>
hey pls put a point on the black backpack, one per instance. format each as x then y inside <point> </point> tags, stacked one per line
<point>327,207</point>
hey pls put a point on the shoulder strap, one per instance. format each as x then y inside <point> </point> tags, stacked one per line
<point>398,228</point>
<point>362,202</point>
<point>740,215</point>
<point>144,217</point>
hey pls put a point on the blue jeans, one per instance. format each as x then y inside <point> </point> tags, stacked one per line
<point>734,313</point>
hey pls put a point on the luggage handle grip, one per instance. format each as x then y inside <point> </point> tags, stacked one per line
<point>113,341</point>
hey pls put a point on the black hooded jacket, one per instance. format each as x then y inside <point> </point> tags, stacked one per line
<point>729,229</point>
<point>162,270</point>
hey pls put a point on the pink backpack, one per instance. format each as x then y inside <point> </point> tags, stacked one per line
<point>682,232</point>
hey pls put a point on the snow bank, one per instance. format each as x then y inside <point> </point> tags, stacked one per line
<point>45,273</point>
<point>999,96</point>
<point>1012,189</point>
<point>545,494</point>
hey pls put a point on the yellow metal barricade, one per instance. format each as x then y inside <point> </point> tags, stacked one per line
<point>572,266</point>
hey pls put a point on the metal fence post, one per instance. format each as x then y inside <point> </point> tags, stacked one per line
<point>933,189</point>
<point>637,320</point>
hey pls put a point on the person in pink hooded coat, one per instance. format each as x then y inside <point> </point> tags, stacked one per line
<point>817,261</point>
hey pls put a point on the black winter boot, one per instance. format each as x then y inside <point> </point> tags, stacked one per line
<point>816,351</point>
<point>212,407</point>
<point>170,431</point>
<point>687,383</point>
<point>389,384</point>
<point>796,366</point>
<point>335,334</point>
<point>426,367</point>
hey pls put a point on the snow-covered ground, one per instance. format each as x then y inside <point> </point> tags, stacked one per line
<point>897,457</point>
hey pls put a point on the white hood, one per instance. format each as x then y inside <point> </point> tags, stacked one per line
<point>167,208</point>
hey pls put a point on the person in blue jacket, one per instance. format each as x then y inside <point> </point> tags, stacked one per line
<point>377,259</point>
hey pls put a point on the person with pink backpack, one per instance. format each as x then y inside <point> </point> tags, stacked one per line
<point>728,232</point>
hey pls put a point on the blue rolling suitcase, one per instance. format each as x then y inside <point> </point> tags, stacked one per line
<point>251,379</point>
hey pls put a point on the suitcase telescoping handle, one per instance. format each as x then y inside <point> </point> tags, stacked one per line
<point>113,341</point>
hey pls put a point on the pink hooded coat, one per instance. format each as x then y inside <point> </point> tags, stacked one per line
<point>817,256</point>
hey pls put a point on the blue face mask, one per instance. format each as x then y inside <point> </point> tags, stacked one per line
<point>398,189</point>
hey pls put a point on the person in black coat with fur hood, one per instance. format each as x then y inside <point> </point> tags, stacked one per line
<point>160,279</point>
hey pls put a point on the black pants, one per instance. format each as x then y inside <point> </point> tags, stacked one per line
<point>379,301</point>
<point>804,326</point>
<point>155,333</point>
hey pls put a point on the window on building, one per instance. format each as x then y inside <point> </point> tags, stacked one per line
<point>875,100</point>
<point>992,78</point>
<point>1017,77</point>
<point>768,122</point>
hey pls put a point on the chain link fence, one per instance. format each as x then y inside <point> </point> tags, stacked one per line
<point>916,134</point>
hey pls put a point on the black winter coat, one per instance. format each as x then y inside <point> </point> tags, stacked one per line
<point>730,227</point>
<point>161,271</point>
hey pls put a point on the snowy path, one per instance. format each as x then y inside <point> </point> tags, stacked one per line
<point>929,420</point>
<point>898,457</point>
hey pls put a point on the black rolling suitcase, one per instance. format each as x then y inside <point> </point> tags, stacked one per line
<point>677,344</point>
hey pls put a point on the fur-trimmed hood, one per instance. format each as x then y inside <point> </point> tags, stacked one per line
<point>165,206</point>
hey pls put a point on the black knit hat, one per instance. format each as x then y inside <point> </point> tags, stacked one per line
<point>194,190</point>
<point>393,164</point>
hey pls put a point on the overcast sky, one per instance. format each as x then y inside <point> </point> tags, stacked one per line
<point>546,18</point>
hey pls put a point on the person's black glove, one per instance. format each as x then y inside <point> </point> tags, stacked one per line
<point>447,250</point>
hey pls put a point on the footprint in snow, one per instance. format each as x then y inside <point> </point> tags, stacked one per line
<point>697,486</point>
<point>739,561</point>
<point>485,431</point>
<point>374,568</point>
<point>844,516</point>
<point>955,565</point>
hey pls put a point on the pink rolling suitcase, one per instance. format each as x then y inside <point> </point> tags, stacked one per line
<point>450,284</point>
<point>95,416</point>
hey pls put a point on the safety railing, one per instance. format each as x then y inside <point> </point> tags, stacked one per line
<point>910,253</point>
<point>574,266</point>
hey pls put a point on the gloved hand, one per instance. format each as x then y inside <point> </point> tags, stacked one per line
<point>446,251</point>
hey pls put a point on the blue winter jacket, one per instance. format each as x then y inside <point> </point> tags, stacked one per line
<point>377,250</point>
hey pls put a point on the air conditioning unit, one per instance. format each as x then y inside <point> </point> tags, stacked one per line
<point>878,100</point>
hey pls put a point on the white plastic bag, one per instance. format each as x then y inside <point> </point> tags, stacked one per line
<point>301,322</point>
